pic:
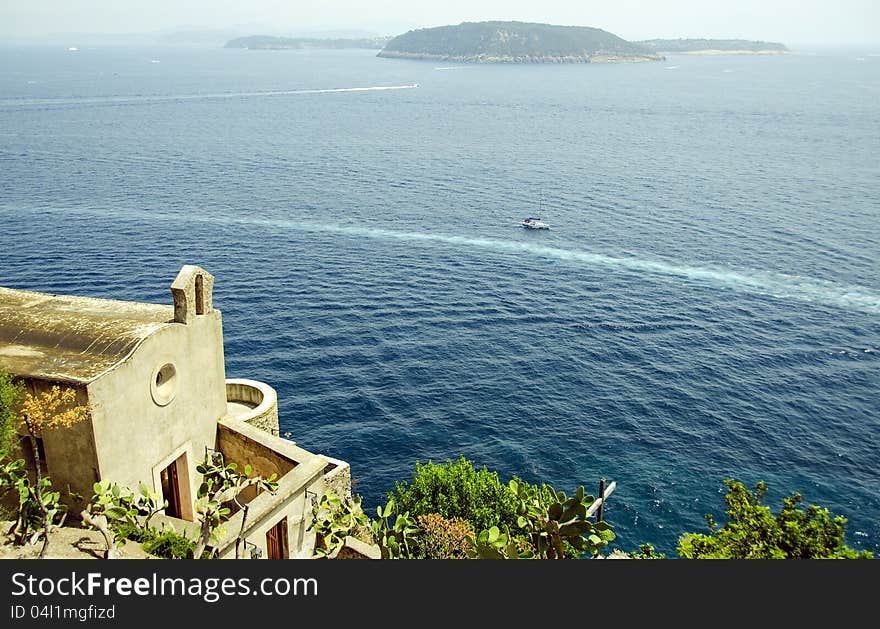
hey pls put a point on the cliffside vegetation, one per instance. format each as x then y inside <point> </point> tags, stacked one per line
<point>753,532</point>
<point>499,42</point>
<point>454,511</point>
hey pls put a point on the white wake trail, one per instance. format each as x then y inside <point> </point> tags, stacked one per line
<point>779,285</point>
<point>113,100</point>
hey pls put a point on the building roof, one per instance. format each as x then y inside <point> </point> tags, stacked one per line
<point>71,339</point>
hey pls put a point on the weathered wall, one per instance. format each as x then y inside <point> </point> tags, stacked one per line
<point>337,476</point>
<point>243,450</point>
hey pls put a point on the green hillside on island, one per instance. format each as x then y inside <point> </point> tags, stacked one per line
<point>516,42</point>
<point>266,42</point>
<point>717,46</point>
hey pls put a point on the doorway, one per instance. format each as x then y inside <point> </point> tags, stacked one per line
<point>276,541</point>
<point>171,490</point>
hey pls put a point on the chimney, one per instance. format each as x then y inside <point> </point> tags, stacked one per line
<point>191,291</point>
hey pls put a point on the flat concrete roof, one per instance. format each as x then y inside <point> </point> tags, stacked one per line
<point>69,338</point>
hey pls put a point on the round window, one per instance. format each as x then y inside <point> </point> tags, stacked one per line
<point>164,384</point>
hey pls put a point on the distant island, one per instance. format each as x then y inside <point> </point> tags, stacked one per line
<point>266,42</point>
<point>714,47</point>
<point>516,42</point>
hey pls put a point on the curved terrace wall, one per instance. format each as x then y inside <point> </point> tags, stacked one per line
<point>253,402</point>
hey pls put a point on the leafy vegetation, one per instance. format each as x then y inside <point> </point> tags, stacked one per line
<point>395,531</point>
<point>115,511</point>
<point>434,516</point>
<point>454,511</point>
<point>33,413</point>
<point>334,519</point>
<point>753,532</point>
<point>36,505</point>
<point>555,526</point>
<point>457,490</point>
<point>168,544</point>
<point>445,511</point>
<point>11,393</point>
<point>645,551</point>
<point>165,542</point>
<point>221,484</point>
<point>549,526</point>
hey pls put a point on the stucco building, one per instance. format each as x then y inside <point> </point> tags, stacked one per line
<point>154,376</point>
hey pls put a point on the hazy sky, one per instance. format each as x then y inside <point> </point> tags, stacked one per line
<point>786,21</point>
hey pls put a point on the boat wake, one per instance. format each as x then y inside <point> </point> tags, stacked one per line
<point>777,285</point>
<point>114,100</point>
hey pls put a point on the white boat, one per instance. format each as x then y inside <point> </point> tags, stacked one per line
<point>534,223</point>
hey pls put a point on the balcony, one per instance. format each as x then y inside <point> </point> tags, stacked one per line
<point>254,403</point>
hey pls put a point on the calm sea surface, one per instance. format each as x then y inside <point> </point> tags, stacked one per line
<point>706,304</point>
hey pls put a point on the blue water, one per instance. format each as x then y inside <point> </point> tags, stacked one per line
<point>705,306</point>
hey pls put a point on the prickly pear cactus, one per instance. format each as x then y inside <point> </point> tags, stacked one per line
<point>552,525</point>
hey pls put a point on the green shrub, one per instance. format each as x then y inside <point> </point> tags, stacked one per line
<point>167,544</point>
<point>753,532</point>
<point>457,490</point>
<point>11,393</point>
<point>130,530</point>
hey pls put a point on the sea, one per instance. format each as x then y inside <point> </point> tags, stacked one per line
<point>705,305</point>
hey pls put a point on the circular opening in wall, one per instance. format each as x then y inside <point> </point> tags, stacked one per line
<point>164,384</point>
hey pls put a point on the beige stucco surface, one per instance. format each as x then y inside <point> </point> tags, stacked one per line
<point>134,435</point>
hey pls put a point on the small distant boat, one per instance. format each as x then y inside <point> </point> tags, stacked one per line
<point>72,49</point>
<point>534,223</point>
